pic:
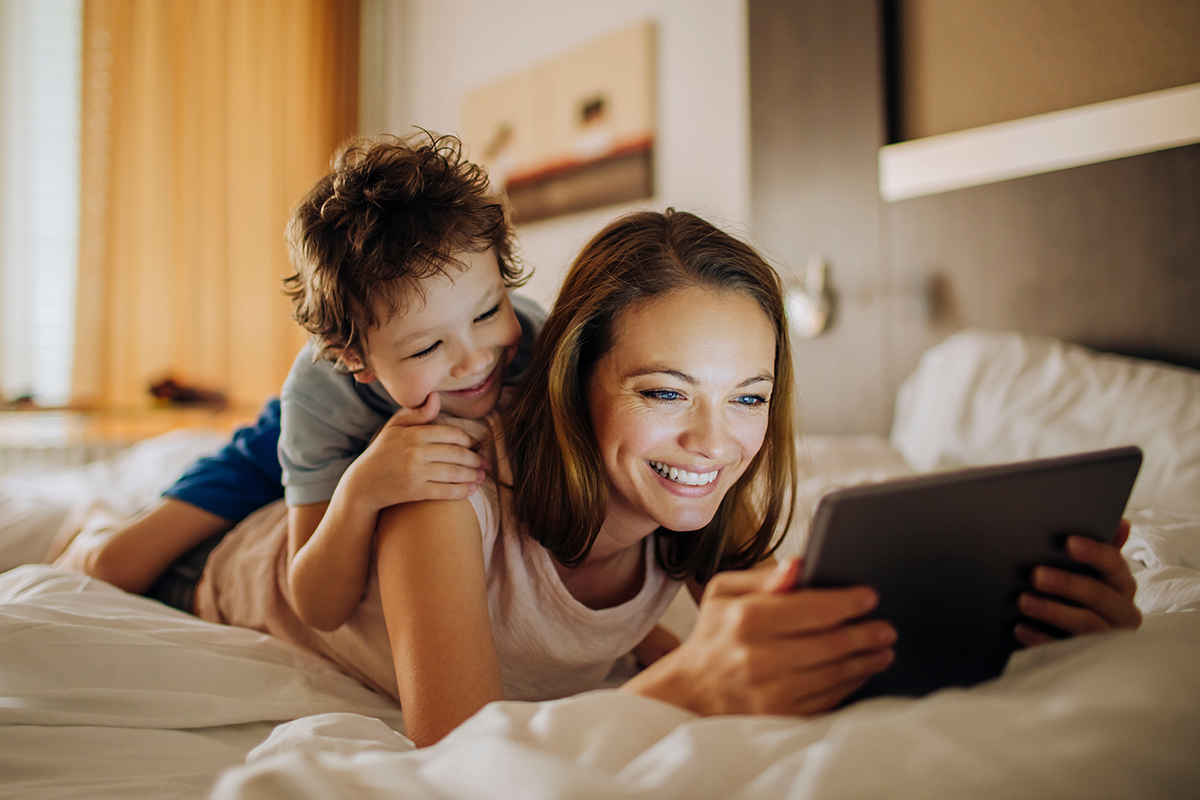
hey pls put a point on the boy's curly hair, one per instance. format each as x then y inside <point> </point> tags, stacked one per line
<point>391,213</point>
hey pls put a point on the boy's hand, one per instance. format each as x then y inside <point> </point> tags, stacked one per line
<point>410,459</point>
<point>1093,605</point>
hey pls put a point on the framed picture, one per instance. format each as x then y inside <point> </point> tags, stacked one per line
<point>573,133</point>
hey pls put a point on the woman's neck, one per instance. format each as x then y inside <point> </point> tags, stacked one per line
<point>606,580</point>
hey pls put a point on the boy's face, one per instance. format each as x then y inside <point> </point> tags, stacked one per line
<point>458,342</point>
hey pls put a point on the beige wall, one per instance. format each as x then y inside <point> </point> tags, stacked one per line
<point>450,47</point>
<point>965,63</point>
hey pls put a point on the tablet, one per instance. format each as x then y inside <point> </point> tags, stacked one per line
<point>949,553</point>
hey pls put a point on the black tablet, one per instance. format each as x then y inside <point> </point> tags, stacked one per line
<point>949,553</point>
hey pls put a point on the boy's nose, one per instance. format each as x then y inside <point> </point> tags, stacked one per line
<point>473,361</point>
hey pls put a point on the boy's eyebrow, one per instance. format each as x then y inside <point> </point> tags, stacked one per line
<point>683,376</point>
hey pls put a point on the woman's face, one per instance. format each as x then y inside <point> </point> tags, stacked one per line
<point>679,407</point>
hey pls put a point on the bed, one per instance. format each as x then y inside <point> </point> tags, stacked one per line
<point>105,694</point>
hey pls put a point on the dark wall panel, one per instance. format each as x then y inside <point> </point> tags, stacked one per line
<point>816,121</point>
<point>1106,255</point>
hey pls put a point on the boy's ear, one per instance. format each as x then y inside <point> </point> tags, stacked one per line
<point>349,361</point>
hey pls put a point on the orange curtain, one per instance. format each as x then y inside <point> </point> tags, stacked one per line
<point>204,121</point>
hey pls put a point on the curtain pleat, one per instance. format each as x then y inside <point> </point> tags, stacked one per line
<point>204,122</point>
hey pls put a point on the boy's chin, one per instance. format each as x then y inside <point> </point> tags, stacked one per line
<point>470,408</point>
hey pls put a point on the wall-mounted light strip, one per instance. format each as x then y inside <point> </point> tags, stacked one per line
<point>1043,143</point>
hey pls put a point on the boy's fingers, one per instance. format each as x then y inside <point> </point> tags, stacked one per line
<point>433,454</point>
<point>432,406</point>
<point>433,435</point>
<point>421,415</point>
<point>445,491</point>
<point>440,472</point>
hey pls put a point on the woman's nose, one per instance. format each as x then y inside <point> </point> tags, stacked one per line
<point>707,434</point>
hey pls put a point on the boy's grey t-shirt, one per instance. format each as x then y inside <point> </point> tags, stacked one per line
<point>327,419</point>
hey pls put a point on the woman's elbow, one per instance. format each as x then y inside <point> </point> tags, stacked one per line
<point>319,615</point>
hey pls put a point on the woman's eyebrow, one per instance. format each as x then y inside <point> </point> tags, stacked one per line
<point>764,378</point>
<point>683,376</point>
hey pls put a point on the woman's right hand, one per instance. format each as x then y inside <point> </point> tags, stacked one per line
<point>759,647</point>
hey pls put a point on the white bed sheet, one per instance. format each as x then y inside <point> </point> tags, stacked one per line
<point>107,694</point>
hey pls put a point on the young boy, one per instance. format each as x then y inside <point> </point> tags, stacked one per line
<point>403,264</point>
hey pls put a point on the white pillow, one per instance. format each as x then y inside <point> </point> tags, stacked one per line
<point>983,397</point>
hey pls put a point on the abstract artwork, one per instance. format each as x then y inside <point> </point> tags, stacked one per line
<point>572,133</point>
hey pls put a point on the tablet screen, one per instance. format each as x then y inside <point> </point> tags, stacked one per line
<point>949,553</point>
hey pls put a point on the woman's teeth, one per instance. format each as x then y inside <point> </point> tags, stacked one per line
<point>686,478</point>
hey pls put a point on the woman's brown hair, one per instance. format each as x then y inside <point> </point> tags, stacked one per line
<point>561,486</point>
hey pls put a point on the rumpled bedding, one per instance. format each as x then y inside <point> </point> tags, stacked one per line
<point>108,695</point>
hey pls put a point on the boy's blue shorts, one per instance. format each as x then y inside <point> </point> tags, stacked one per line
<point>241,477</point>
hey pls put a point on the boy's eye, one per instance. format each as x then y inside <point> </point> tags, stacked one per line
<point>751,400</point>
<point>493,311</point>
<point>428,351</point>
<point>665,395</point>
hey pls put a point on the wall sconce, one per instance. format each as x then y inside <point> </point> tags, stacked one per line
<point>810,304</point>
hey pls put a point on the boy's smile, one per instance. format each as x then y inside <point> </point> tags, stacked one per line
<point>458,340</point>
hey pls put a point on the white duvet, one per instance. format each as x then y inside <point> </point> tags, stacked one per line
<point>104,694</point>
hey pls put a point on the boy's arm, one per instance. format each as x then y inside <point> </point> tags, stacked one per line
<point>434,593</point>
<point>329,544</point>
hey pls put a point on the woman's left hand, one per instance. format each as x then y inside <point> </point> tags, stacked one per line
<point>1093,605</point>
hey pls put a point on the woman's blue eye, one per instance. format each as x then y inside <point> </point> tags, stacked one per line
<point>666,395</point>
<point>750,400</point>
<point>493,311</point>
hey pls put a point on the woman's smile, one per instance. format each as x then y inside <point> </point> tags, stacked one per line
<point>685,477</point>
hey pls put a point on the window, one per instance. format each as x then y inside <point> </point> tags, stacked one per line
<point>40,71</point>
